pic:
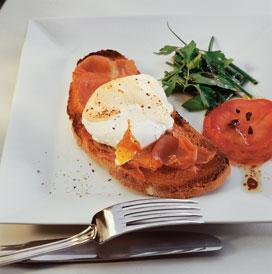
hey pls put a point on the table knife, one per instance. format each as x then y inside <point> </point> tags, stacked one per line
<point>138,245</point>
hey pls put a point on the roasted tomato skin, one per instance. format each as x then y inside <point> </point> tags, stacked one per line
<point>242,129</point>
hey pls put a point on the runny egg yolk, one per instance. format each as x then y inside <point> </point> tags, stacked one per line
<point>126,148</point>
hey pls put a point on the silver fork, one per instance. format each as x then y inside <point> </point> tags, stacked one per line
<point>115,221</point>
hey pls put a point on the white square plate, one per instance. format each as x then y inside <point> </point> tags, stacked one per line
<point>45,178</point>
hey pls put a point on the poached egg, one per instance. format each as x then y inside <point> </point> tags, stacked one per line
<point>128,114</point>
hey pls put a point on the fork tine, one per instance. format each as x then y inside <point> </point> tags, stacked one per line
<point>161,217</point>
<point>156,201</point>
<point>161,224</point>
<point>154,208</point>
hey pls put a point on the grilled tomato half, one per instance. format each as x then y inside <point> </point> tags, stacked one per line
<point>242,129</point>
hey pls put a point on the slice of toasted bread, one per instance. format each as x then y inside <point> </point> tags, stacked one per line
<point>165,181</point>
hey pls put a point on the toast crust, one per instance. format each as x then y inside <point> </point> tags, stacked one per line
<point>165,181</point>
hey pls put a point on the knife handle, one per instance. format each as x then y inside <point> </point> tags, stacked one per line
<point>9,257</point>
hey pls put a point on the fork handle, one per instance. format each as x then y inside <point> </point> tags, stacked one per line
<point>84,236</point>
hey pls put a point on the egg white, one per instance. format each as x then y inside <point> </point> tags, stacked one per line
<point>139,100</point>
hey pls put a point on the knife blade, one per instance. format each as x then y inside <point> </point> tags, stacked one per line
<point>138,245</point>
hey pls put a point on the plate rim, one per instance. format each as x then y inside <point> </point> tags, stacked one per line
<point>46,19</point>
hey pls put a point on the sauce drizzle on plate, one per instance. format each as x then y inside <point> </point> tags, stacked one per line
<point>252,179</point>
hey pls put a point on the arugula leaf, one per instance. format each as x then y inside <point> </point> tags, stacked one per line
<point>203,97</point>
<point>188,51</point>
<point>171,84</point>
<point>224,96</point>
<point>195,62</point>
<point>179,59</point>
<point>208,76</point>
<point>170,88</point>
<point>212,80</point>
<point>238,87</point>
<point>166,50</point>
<point>211,96</point>
<point>194,104</point>
<point>216,61</point>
